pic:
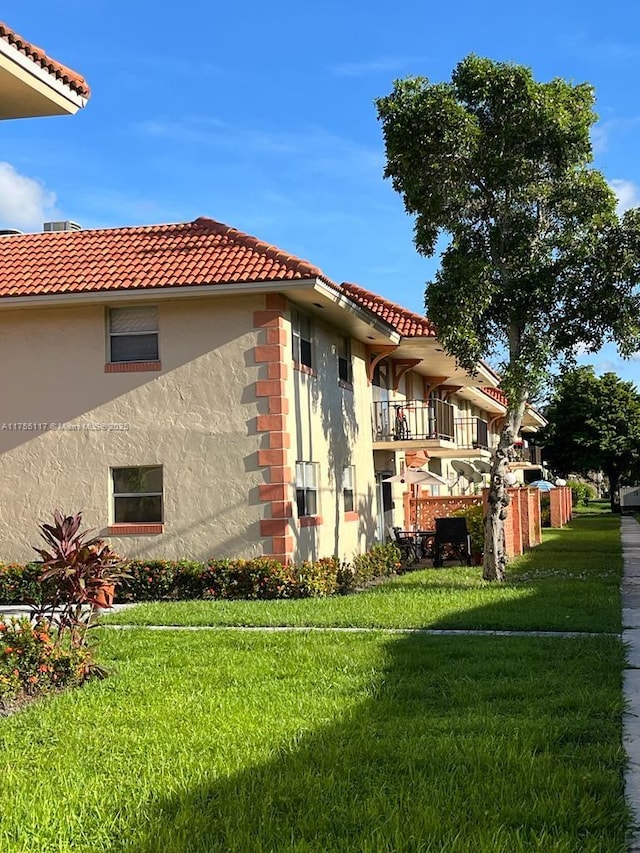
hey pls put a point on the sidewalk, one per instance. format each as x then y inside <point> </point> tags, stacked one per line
<point>630,532</point>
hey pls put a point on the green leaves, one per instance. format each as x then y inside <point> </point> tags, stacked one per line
<point>538,261</point>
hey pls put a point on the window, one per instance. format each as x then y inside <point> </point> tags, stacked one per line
<point>345,372</point>
<point>301,338</point>
<point>307,488</point>
<point>137,495</point>
<point>347,488</point>
<point>133,334</point>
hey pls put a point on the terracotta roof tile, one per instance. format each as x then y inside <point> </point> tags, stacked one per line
<point>151,256</point>
<point>496,394</point>
<point>37,55</point>
<point>405,322</point>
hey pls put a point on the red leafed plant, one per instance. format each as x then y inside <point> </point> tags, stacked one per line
<point>83,572</point>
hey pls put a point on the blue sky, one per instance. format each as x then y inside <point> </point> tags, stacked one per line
<point>261,115</point>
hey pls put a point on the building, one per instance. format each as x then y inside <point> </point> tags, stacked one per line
<point>198,392</point>
<point>33,84</point>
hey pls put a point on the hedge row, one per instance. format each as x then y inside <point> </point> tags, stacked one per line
<point>260,578</point>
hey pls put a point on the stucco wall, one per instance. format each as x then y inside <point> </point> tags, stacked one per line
<point>331,425</point>
<point>195,417</point>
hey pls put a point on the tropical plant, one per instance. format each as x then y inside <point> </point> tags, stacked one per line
<point>82,574</point>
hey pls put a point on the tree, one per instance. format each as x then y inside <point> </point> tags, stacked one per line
<point>538,262</point>
<point>594,425</point>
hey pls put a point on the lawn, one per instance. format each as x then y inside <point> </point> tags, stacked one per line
<point>569,583</point>
<point>327,742</point>
<point>248,742</point>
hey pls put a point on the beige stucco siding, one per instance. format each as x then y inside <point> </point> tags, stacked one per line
<point>196,418</point>
<point>331,426</point>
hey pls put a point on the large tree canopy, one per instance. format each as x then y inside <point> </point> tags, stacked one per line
<point>538,261</point>
<point>594,425</point>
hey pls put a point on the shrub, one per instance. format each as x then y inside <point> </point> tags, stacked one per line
<point>475,526</point>
<point>258,578</point>
<point>21,584</point>
<point>581,493</point>
<point>33,660</point>
<point>545,510</point>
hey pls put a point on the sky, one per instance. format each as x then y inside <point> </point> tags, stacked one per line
<point>262,116</point>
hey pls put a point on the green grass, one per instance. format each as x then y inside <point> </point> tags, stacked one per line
<point>252,743</point>
<point>570,582</point>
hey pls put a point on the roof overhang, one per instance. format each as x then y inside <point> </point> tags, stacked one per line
<point>28,90</point>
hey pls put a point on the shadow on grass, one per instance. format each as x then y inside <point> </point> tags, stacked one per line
<point>465,745</point>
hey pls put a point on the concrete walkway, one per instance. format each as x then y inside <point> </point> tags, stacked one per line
<point>631,637</point>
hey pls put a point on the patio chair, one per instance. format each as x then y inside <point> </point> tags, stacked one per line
<point>451,539</point>
<point>405,544</point>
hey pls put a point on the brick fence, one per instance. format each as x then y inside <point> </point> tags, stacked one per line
<point>523,529</point>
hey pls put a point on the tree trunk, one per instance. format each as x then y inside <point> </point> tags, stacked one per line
<point>614,486</point>
<point>495,552</point>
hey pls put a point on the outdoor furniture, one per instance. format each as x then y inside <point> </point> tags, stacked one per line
<point>451,539</point>
<point>406,542</point>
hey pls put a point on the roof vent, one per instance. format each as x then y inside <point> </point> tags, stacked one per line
<point>9,232</point>
<point>62,225</point>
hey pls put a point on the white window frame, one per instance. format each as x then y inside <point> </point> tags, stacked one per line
<point>307,489</point>
<point>115,494</point>
<point>345,363</point>
<point>152,330</point>
<point>301,343</point>
<point>348,488</point>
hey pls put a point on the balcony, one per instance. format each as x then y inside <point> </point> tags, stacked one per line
<point>413,420</point>
<point>528,456</point>
<point>472,433</point>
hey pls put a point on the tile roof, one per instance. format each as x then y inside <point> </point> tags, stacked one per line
<point>496,394</point>
<point>37,55</point>
<point>405,322</point>
<point>136,258</point>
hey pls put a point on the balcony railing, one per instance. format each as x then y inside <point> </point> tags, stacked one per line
<point>472,433</point>
<point>413,419</point>
<point>531,454</point>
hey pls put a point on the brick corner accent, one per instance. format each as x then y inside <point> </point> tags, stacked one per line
<point>275,495</point>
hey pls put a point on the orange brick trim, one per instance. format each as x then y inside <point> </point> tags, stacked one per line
<point>282,545</point>
<point>281,509</point>
<point>269,388</point>
<point>273,491</point>
<point>279,439</point>
<point>303,368</point>
<point>269,354</point>
<point>272,457</point>
<point>278,406</point>
<point>270,423</point>
<point>131,366</point>
<point>135,529</point>
<point>351,516</point>
<point>267,319</point>
<point>310,521</point>
<point>276,301</point>
<point>274,527</point>
<point>277,371</point>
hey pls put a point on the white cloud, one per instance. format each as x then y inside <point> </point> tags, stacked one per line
<point>627,193</point>
<point>24,202</point>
